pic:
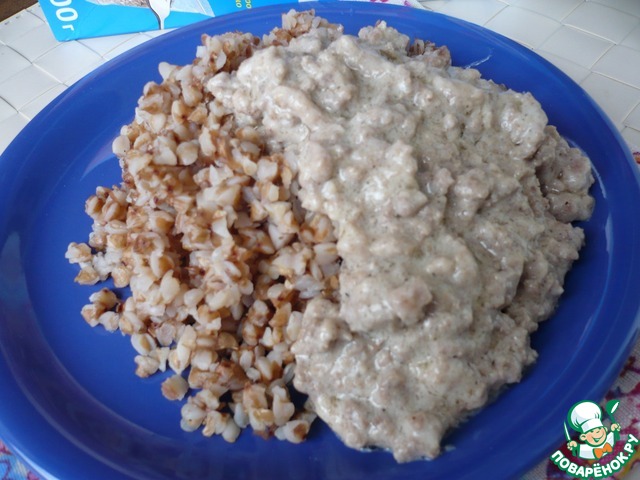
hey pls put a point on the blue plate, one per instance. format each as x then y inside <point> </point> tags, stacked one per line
<point>70,403</point>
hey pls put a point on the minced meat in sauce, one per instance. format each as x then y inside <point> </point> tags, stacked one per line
<point>452,200</point>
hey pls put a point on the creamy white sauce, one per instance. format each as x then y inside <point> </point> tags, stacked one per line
<point>451,198</point>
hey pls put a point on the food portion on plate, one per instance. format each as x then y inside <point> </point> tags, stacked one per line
<point>349,215</point>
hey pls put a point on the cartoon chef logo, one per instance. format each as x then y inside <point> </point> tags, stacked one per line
<point>594,444</point>
<point>596,440</point>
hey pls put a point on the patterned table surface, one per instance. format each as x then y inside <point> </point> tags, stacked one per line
<point>597,43</point>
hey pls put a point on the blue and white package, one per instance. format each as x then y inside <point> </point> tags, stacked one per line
<point>74,19</point>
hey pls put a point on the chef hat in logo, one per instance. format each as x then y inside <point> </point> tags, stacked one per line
<point>585,416</point>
